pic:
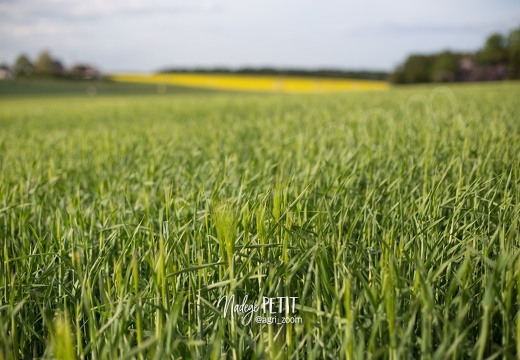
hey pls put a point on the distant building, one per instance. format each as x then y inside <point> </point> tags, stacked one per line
<point>6,72</point>
<point>82,71</point>
<point>470,70</point>
<point>467,68</point>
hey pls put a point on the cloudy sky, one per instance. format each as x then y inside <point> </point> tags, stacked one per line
<point>146,35</point>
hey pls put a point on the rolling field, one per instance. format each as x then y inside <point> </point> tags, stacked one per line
<point>254,83</point>
<point>68,87</point>
<point>389,219</point>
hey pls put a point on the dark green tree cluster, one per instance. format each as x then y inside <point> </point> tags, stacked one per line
<point>513,53</point>
<point>44,65</point>
<point>419,68</point>
<point>23,66</point>
<point>499,58</point>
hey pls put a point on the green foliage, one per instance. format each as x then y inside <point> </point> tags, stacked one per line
<point>23,66</point>
<point>497,53</point>
<point>393,216</point>
<point>44,65</point>
<point>494,50</point>
<point>514,52</point>
<point>445,67</point>
<point>427,68</point>
<point>417,69</point>
<point>62,343</point>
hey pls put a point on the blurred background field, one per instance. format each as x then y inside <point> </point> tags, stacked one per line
<point>258,83</point>
<point>70,87</point>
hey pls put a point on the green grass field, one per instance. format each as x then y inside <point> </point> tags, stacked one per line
<point>67,87</point>
<point>393,216</point>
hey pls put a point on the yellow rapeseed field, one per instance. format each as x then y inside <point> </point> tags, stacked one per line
<point>256,83</point>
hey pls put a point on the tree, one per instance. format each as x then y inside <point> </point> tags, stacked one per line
<point>445,67</point>
<point>397,77</point>
<point>23,66</point>
<point>44,65</point>
<point>417,69</point>
<point>494,51</point>
<point>514,52</point>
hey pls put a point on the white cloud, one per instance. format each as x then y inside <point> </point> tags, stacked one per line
<point>73,10</point>
<point>27,30</point>
<point>209,5</point>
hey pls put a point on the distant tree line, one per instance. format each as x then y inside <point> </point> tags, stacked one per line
<point>47,66</point>
<point>498,59</point>
<point>322,73</point>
